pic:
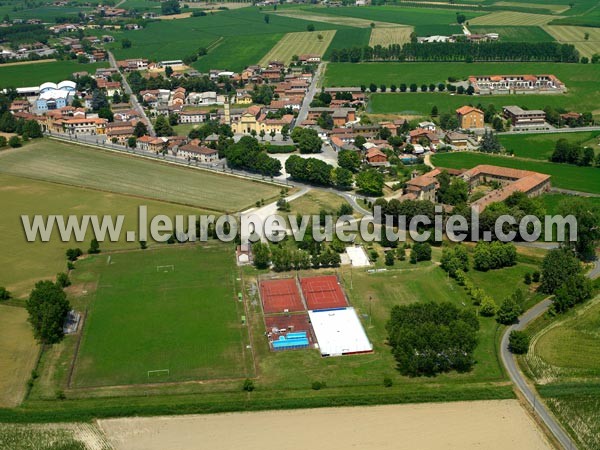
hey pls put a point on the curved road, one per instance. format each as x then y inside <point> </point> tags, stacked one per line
<point>517,377</point>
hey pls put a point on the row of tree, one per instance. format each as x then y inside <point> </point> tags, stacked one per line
<point>284,258</point>
<point>460,51</point>
<point>494,255</point>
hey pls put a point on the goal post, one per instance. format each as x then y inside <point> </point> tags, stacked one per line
<point>158,373</point>
<point>166,268</point>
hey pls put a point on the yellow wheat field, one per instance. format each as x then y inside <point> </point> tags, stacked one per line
<point>512,18</point>
<point>576,36</point>
<point>393,35</point>
<point>298,44</point>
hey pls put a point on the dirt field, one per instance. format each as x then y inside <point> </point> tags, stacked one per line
<point>513,18</point>
<point>298,44</point>
<point>390,35</point>
<point>208,5</point>
<point>576,36</point>
<point>25,63</point>
<point>183,15</point>
<point>486,425</point>
<point>18,352</point>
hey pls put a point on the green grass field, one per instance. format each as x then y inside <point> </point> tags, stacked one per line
<point>60,162</point>
<point>427,21</point>
<point>143,317</point>
<point>246,37</point>
<point>541,146</point>
<point>580,80</point>
<point>585,39</point>
<point>35,74</point>
<point>18,352</point>
<point>38,260</point>
<point>512,18</point>
<point>552,201</point>
<point>515,34</point>
<point>564,176</point>
<point>564,360</point>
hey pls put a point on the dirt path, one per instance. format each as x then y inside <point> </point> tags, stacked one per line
<point>486,425</point>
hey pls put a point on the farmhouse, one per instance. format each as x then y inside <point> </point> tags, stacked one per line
<point>516,84</point>
<point>198,152</point>
<point>470,118</point>
<point>511,180</point>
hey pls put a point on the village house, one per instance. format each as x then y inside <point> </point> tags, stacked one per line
<point>198,152</point>
<point>456,139</point>
<point>470,118</point>
<point>534,119</point>
<point>375,157</point>
<point>90,126</point>
<point>151,144</point>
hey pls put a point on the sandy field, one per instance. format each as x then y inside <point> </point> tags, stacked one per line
<point>489,425</point>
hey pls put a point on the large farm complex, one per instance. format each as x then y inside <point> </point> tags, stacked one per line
<point>329,224</point>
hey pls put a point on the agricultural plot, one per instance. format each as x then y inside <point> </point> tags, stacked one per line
<point>515,34</point>
<point>18,352</point>
<point>556,9</point>
<point>564,358</point>
<point>173,315</point>
<point>585,39</point>
<point>26,75</point>
<point>564,176</point>
<point>348,38</point>
<point>314,43</point>
<point>334,20</point>
<point>67,436</point>
<point>92,168</point>
<point>390,35</point>
<point>513,18</point>
<point>426,21</point>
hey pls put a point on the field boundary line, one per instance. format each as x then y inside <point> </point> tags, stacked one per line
<point>77,346</point>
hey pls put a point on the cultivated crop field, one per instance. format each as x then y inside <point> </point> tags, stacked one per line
<point>426,21</point>
<point>68,436</point>
<point>297,44</point>
<point>512,18</point>
<point>564,176</point>
<point>27,75</point>
<point>18,353</point>
<point>556,9</point>
<point>541,146</point>
<point>390,35</point>
<point>170,308</point>
<point>564,358</point>
<point>514,34</point>
<point>60,162</point>
<point>577,37</point>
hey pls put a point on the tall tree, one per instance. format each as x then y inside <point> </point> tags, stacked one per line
<point>48,308</point>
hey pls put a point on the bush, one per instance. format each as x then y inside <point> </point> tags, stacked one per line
<point>373,255</point>
<point>143,245</point>
<point>318,385</point>
<point>4,294</point>
<point>70,265</point>
<point>248,385</point>
<point>527,278</point>
<point>273,149</point>
<point>387,382</point>
<point>509,311</point>
<point>60,394</point>
<point>94,247</point>
<point>421,251</point>
<point>389,258</point>
<point>488,307</point>
<point>536,276</point>
<point>62,280</point>
<point>518,342</point>
<point>74,253</point>
<point>14,141</point>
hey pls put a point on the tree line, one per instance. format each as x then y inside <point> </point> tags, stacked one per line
<point>460,51</point>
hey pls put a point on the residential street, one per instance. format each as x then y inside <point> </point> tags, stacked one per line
<point>312,90</point>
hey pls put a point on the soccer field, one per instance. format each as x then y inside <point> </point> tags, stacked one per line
<point>173,311</point>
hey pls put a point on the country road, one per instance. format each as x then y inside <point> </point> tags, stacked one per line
<point>517,377</point>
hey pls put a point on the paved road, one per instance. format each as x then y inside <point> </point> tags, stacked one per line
<point>571,192</point>
<point>310,94</point>
<point>132,97</point>
<point>553,130</point>
<point>510,363</point>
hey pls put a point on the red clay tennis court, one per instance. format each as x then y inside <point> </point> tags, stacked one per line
<point>323,292</point>
<point>280,295</point>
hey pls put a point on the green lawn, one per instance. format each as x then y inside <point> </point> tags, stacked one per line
<point>35,74</point>
<point>564,176</point>
<point>541,146</point>
<point>143,317</point>
<point>60,162</point>
<point>581,81</point>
